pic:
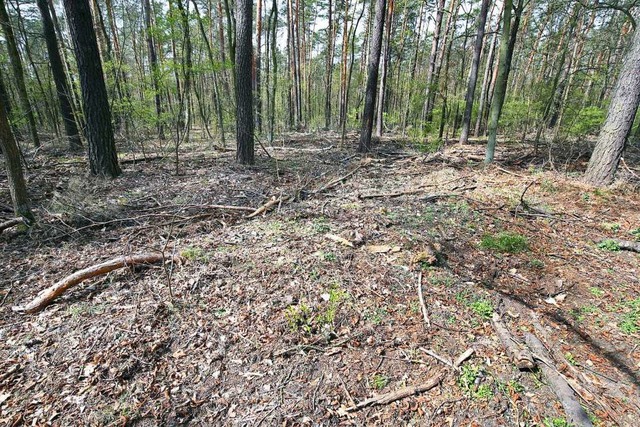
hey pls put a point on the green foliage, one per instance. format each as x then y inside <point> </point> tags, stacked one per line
<point>630,323</point>
<point>468,380</point>
<point>609,245</point>
<point>299,317</point>
<point>610,226</point>
<point>505,242</point>
<point>596,292</point>
<point>193,253</point>
<point>636,233</point>
<point>335,299</point>
<point>556,422</point>
<point>482,308</point>
<point>571,359</point>
<point>379,381</point>
<point>588,121</point>
<point>536,263</point>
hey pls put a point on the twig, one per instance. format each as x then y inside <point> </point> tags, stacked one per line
<point>464,356</point>
<point>436,356</point>
<point>264,208</point>
<point>394,395</point>
<point>423,307</point>
<point>339,180</point>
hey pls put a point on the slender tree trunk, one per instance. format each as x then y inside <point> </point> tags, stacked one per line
<point>385,69</point>
<point>414,63</point>
<point>473,74</point>
<point>343,65</point>
<point>103,160</point>
<point>18,72</point>
<point>432,60</point>
<point>153,64</point>
<point>615,130</point>
<point>244,92</point>
<point>509,36</point>
<point>258,61</point>
<point>15,176</point>
<point>372,79</point>
<point>329,67</point>
<point>216,95</point>
<point>59,77</point>
<point>274,59</point>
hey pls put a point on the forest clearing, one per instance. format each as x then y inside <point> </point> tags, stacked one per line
<point>302,312</point>
<point>320,212</point>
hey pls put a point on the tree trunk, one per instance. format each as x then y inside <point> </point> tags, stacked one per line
<point>507,44</point>
<point>59,77</point>
<point>385,69</point>
<point>17,185</point>
<point>153,64</point>
<point>18,72</point>
<point>329,67</point>
<point>432,61</point>
<point>244,92</point>
<point>258,94</point>
<point>622,110</point>
<point>103,160</point>
<point>372,79</point>
<point>473,74</point>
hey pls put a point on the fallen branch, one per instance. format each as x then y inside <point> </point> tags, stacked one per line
<point>140,160</point>
<point>390,397</point>
<point>264,208</point>
<point>423,307</point>
<point>47,295</point>
<point>576,415</point>
<point>339,180</point>
<point>10,223</point>
<point>520,356</point>
<point>437,357</point>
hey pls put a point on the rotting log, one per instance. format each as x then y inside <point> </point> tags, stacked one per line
<point>10,223</point>
<point>47,295</point>
<point>520,356</point>
<point>576,415</point>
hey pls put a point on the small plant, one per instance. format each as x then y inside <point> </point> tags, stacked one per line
<point>609,245</point>
<point>636,233</point>
<point>335,298</point>
<point>377,317</point>
<point>470,376</point>
<point>548,186</point>
<point>580,313</point>
<point>610,226</point>
<point>299,317</point>
<point>505,242</point>
<point>329,256</point>
<point>536,263</point>
<point>379,381</point>
<point>556,422</point>
<point>482,308</point>
<point>586,197</point>
<point>193,253</point>
<point>596,292</point>
<point>320,225</point>
<point>571,359</point>
<point>630,323</point>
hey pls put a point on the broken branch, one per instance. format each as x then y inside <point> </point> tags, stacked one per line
<point>423,307</point>
<point>390,397</point>
<point>518,355</point>
<point>47,295</point>
<point>10,223</point>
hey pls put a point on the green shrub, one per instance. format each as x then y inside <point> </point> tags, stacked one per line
<point>505,242</point>
<point>588,122</point>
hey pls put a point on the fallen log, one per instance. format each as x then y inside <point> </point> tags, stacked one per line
<point>390,397</point>
<point>47,295</point>
<point>520,356</point>
<point>576,415</point>
<point>10,223</point>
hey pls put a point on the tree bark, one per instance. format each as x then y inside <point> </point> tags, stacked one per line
<point>153,65</point>
<point>244,90</point>
<point>15,176</point>
<point>372,79</point>
<point>509,36</point>
<point>258,65</point>
<point>473,74</point>
<point>329,67</point>
<point>103,159</point>
<point>426,114</point>
<point>385,70</point>
<point>59,77</point>
<point>18,72</point>
<point>622,111</point>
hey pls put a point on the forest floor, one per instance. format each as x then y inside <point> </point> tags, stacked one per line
<point>299,314</point>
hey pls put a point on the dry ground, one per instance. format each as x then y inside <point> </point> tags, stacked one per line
<point>275,321</point>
